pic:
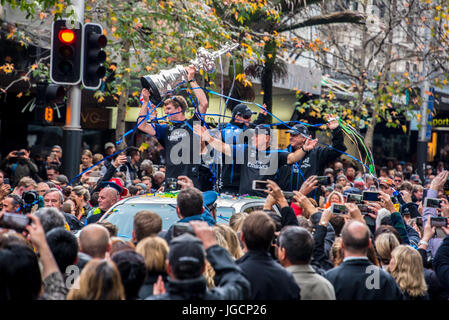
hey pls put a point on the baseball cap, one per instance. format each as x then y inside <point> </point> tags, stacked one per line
<point>209,198</point>
<point>242,110</point>
<point>117,185</point>
<point>109,145</point>
<point>359,184</point>
<point>142,185</point>
<point>186,256</point>
<point>386,181</point>
<point>62,179</point>
<point>415,178</point>
<point>299,129</point>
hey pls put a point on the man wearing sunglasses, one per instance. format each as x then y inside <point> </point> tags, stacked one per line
<point>230,134</point>
<point>291,177</point>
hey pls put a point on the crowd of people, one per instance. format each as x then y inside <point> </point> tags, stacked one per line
<point>296,248</point>
<point>320,235</point>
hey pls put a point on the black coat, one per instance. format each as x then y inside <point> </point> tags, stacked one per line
<point>351,282</point>
<point>146,289</point>
<point>313,163</point>
<point>229,280</point>
<point>441,263</point>
<point>269,280</point>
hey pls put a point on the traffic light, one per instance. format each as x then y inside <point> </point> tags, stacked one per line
<point>93,55</point>
<point>65,65</point>
<point>49,93</point>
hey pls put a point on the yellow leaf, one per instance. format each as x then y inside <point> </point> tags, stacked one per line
<point>19,94</point>
<point>404,128</point>
<point>101,99</point>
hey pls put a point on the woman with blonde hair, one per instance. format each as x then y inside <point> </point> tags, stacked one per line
<point>86,160</point>
<point>99,280</point>
<point>407,269</point>
<point>154,251</point>
<point>334,197</point>
<point>231,239</point>
<point>385,243</point>
<point>236,221</point>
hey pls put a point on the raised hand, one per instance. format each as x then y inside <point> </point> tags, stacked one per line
<point>309,185</point>
<point>310,144</point>
<point>145,95</point>
<point>333,123</point>
<point>439,181</point>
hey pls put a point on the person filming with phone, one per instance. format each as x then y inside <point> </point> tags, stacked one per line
<point>18,165</point>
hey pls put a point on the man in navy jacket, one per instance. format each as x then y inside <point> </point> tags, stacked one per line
<point>357,278</point>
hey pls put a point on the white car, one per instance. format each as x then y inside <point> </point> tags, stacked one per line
<point>122,213</point>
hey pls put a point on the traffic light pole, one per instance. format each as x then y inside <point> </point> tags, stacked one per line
<point>72,132</point>
<point>424,130</point>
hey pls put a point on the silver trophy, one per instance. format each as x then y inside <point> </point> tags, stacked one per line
<point>166,80</point>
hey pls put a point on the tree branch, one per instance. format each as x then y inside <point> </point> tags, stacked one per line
<point>337,17</point>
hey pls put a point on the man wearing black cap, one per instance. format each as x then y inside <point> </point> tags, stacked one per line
<point>259,161</point>
<point>291,177</point>
<point>186,265</point>
<point>231,134</point>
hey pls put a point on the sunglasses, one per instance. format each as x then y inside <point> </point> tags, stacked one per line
<point>246,117</point>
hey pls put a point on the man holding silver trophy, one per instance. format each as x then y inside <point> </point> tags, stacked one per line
<point>182,146</point>
<point>173,137</point>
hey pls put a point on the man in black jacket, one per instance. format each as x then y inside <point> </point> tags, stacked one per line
<point>291,177</point>
<point>269,281</point>
<point>186,264</point>
<point>357,278</point>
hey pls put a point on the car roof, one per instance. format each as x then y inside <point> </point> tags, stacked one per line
<point>170,198</point>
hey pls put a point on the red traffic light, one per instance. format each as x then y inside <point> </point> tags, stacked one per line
<point>66,36</point>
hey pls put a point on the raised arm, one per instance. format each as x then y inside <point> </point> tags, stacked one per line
<point>218,145</point>
<point>300,153</point>
<point>145,126</point>
<point>203,104</point>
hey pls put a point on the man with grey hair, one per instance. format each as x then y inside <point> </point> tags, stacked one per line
<point>158,179</point>
<point>50,218</point>
<point>53,198</point>
<point>106,199</point>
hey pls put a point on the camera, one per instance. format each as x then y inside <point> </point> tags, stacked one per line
<point>20,154</point>
<point>259,185</point>
<point>171,184</point>
<point>324,180</point>
<point>30,197</point>
<point>438,222</point>
<point>14,221</point>
<point>338,208</point>
<point>354,198</point>
<point>364,209</point>
<point>432,203</point>
<point>370,196</point>
<point>181,228</point>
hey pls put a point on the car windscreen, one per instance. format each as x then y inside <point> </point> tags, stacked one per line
<point>122,216</point>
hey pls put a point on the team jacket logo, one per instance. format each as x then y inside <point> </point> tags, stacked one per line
<point>177,135</point>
